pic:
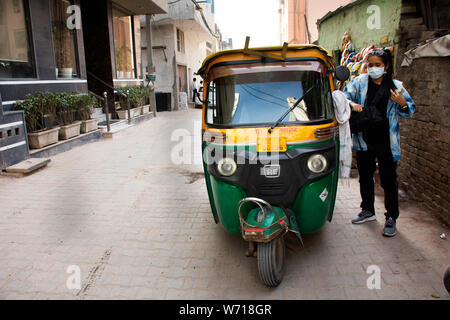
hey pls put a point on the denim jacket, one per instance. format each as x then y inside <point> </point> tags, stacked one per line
<point>356,91</point>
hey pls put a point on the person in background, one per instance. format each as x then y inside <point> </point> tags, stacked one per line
<point>194,89</point>
<point>385,99</point>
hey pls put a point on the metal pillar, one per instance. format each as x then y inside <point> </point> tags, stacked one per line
<point>150,66</point>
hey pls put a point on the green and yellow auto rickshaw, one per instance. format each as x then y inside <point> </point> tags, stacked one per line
<point>270,146</point>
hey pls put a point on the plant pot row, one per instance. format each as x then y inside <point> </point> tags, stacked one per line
<point>41,139</point>
<point>134,112</point>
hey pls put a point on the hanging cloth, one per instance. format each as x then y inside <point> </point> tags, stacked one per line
<point>342,111</point>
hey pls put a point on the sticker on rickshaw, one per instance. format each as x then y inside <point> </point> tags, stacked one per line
<point>269,144</point>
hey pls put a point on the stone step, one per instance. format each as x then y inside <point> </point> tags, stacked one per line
<point>120,126</point>
<point>409,9</point>
<point>28,166</point>
<point>97,111</point>
<point>101,117</point>
<point>407,22</point>
<point>115,125</point>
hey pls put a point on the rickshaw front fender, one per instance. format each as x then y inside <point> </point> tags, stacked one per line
<point>315,203</point>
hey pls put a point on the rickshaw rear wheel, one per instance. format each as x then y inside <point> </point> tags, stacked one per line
<point>271,261</point>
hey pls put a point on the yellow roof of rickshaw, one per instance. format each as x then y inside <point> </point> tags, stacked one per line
<point>212,57</point>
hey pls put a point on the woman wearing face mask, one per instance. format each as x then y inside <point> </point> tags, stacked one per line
<point>379,140</point>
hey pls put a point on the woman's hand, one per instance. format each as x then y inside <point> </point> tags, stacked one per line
<point>356,107</point>
<point>398,98</point>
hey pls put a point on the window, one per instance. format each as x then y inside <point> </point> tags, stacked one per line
<point>15,53</point>
<point>123,45</point>
<point>247,95</point>
<point>180,40</point>
<point>64,40</point>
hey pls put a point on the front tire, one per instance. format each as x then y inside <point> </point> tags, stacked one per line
<point>271,261</point>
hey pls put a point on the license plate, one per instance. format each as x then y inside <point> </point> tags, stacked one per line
<point>267,144</point>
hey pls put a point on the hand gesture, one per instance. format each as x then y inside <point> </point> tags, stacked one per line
<point>398,98</point>
<point>356,107</point>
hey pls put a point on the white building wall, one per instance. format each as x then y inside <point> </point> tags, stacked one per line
<point>183,16</point>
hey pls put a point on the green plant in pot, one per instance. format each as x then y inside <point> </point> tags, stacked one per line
<point>141,94</point>
<point>40,118</point>
<point>62,38</point>
<point>84,104</point>
<point>134,109</point>
<point>65,106</point>
<point>123,62</point>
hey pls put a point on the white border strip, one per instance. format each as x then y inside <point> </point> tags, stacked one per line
<point>7,83</point>
<point>14,145</point>
<point>9,102</point>
<point>12,124</point>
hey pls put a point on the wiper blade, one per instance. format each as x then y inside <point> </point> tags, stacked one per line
<point>290,110</point>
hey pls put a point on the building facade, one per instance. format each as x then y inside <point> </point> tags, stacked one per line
<point>181,40</point>
<point>65,46</point>
<point>298,19</point>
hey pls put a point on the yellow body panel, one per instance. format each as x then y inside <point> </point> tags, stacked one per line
<point>288,134</point>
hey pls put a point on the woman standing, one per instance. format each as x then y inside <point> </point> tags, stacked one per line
<point>384,99</point>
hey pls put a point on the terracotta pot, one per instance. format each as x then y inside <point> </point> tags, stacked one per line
<point>70,131</point>
<point>42,139</point>
<point>89,125</point>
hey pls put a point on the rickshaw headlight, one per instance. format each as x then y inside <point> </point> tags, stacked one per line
<point>317,163</point>
<point>226,167</point>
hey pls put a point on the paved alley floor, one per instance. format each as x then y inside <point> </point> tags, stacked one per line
<point>137,226</point>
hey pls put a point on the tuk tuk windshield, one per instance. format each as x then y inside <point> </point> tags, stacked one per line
<point>249,95</point>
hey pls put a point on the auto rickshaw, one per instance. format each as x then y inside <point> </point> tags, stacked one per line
<point>270,146</point>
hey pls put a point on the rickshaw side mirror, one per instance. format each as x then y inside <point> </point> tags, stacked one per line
<point>342,73</point>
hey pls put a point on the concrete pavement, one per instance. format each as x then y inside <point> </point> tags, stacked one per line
<point>138,226</point>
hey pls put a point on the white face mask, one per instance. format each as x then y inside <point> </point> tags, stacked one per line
<point>376,73</point>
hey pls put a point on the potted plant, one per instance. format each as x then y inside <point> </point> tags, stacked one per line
<point>84,104</point>
<point>40,120</point>
<point>66,114</point>
<point>123,62</point>
<point>62,36</point>
<point>145,94</point>
<point>135,110</point>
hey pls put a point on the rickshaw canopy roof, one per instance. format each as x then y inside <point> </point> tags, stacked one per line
<point>292,49</point>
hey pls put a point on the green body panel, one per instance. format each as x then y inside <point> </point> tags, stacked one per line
<point>210,195</point>
<point>271,218</point>
<point>226,200</point>
<point>311,212</point>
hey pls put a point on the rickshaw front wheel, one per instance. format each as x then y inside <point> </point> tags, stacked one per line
<point>271,261</point>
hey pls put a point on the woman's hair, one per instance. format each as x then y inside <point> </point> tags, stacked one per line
<point>386,56</point>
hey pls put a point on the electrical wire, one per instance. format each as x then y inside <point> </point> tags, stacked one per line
<point>199,8</point>
<point>272,102</point>
<point>265,93</point>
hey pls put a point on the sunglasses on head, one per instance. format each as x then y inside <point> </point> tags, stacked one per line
<point>377,53</point>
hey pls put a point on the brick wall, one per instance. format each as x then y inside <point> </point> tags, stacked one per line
<point>425,139</point>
